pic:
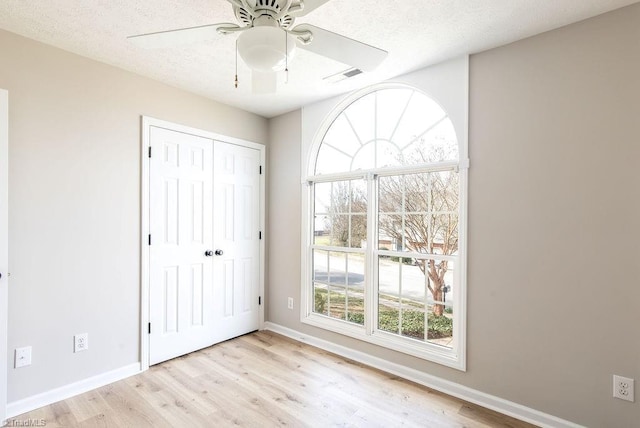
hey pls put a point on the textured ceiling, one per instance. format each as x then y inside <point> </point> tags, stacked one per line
<point>416,33</point>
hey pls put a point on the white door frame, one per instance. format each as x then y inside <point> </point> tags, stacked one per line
<point>147,123</point>
<point>4,248</point>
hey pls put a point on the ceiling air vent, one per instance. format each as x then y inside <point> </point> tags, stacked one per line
<point>346,74</point>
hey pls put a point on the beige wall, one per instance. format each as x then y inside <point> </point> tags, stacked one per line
<point>74,220</point>
<point>283,218</point>
<point>554,223</point>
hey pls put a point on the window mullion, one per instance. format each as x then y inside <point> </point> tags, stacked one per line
<point>309,280</point>
<point>346,287</point>
<point>403,225</point>
<point>426,305</point>
<point>328,284</point>
<point>375,131</point>
<point>350,245</point>
<point>403,214</point>
<point>400,296</point>
<point>371,290</point>
<point>430,250</point>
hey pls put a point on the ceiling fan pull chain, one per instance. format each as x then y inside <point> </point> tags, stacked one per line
<point>286,57</point>
<point>236,81</point>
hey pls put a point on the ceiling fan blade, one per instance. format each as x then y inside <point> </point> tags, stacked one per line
<point>341,48</point>
<point>181,36</point>
<point>264,82</point>
<point>309,6</point>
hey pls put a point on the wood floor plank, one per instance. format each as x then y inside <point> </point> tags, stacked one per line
<point>284,387</point>
<point>131,407</point>
<point>176,405</point>
<point>386,394</point>
<point>55,415</point>
<point>266,380</point>
<point>489,417</point>
<point>86,406</point>
<point>107,419</point>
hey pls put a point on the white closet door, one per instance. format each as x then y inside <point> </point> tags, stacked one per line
<point>236,239</point>
<point>204,255</point>
<point>181,288</point>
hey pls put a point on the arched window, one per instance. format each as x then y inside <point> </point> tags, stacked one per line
<point>387,128</point>
<point>384,253</point>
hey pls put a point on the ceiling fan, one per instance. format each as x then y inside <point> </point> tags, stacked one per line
<point>268,38</point>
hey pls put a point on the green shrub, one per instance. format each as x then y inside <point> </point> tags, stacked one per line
<point>356,317</point>
<point>320,302</point>
<point>440,326</point>
<point>413,324</point>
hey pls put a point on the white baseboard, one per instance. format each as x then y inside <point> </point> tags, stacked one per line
<point>488,401</point>
<point>40,400</point>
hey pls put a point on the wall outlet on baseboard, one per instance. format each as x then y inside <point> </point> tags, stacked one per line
<point>80,342</point>
<point>22,357</point>
<point>623,388</point>
<point>290,303</point>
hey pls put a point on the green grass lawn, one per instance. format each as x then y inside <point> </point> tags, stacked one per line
<point>350,307</point>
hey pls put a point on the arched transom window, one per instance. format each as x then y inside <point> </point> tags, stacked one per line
<point>387,128</point>
<point>384,254</point>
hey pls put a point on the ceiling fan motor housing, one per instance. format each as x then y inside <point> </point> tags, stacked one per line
<point>275,9</point>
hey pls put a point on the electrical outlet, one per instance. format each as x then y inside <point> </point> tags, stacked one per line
<point>290,303</point>
<point>80,342</point>
<point>23,357</point>
<point>623,388</point>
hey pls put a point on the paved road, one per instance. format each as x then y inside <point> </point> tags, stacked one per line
<point>413,281</point>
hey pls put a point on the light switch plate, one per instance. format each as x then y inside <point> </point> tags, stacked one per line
<point>23,357</point>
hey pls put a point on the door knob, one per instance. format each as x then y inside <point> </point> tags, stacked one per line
<point>208,253</point>
<point>219,252</point>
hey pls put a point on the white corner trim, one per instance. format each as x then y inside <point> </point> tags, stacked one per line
<point>40,400</point>
<point>488,401</point>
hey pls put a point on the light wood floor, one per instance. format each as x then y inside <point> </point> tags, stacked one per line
<point>261,380</point>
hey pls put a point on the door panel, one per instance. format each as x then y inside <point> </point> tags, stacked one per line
<point>180,224</point>
<point>236,271</point>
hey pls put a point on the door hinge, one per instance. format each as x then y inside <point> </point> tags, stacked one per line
<point>260,169</point>
<point>149,151</point>
<point>260,235</point>
<point>259,300</point>
<point>149,328</point>
<point>149,239</point>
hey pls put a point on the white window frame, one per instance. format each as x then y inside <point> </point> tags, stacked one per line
<point>454,357</point>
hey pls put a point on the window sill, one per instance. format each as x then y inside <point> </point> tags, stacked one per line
<point>426,351</point>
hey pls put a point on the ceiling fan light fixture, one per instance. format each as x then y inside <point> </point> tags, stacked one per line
<point>266,48</point>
